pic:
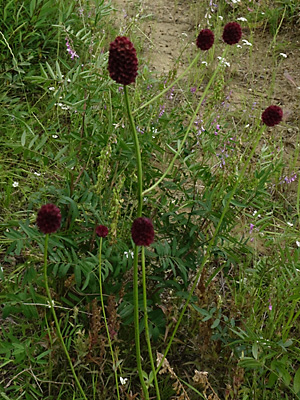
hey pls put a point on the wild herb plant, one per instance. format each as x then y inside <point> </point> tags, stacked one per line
<point>106,154</point>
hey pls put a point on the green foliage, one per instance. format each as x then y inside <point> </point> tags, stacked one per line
<point>66,139</point>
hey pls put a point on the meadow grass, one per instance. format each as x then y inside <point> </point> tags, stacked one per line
<point>215,297</point>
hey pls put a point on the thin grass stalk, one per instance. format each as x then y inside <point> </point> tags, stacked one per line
<point>105,321</point>
<point>56,320</point>
<point>210,245</point>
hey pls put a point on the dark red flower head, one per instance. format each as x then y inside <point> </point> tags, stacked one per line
<point>122,61</point>
<point>142,231</point>
<point>232,33</point>
<point>272,115</point>
<point>48,218</point>
<point>205,39</point>
<point>102,231</point>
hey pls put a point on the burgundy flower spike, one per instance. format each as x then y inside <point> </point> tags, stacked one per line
<point>205,39</point>
<point>232,33</point>
<point>48,218</point>
<point>122,61</point>
<point>272,115</point>
<point>102,231</point>
<point>142,231</point>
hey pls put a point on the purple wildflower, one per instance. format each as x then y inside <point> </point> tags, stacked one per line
<point>162,110</point>
<point>71,51</point>
<point>270,305</point>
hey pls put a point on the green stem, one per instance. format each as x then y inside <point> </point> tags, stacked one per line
<point>210,245</point>
<point>56,320</point>
<point>146,324</point>
<point>136,321</point>
<point>105,321</point>
<point>137,152</point>
<point>170,86</point>
<point>298,200</point>
<point>189,127</point>
<point>136,251</point>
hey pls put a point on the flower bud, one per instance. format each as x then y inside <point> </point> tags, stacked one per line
<point>142,231</point>
<point>205,39</point>
<point>48,218</point>
<point>232,33</point>
<point>122,61</point>
<point>102,231</point>
<point>272,115</point>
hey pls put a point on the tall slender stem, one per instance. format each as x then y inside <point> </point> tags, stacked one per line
<point>170,166</point>
<point>146,324</point>
<point>210,245</point>
<point>136,249</point>
<point>56,320</point>
<point>105,321</point>
<point>136,321</point>
<point>137,153</point>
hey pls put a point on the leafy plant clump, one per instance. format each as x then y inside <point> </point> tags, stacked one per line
<point>149,241</point>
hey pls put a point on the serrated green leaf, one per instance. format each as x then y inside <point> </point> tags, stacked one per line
<point>50,70</point>
<point>215,323</point>
<point>58,71</point>
<point>249,362</point>
<point>23,138</point>
<point>77,273</point>
<point>296,384</point>
<point>255,350</point>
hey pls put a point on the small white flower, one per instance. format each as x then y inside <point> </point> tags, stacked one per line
<point>224,62</point>
<point>298,243</point>
<point>221,18</point>
<point>204,62</point>
<point>68,80</point>
<point>246,42</point>
<point>37,174</point>
<point>55,136</point>
<point>243,19</point>
<point>239,46</point>
<point>123,380</point>
<point>49,304</point>
<point>128,253</point>
<point>283,55</point>
<point>290,224</point>
<point>184,34</point>
<point>247,126</point>
<point>15,184</point>
<point>51,88</point>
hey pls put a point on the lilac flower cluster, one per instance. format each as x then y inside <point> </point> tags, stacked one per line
<point>70,50</point>
<point>228,147</point>
<point>287,179</point>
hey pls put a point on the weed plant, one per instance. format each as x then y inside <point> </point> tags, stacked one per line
<point>94,306</point>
